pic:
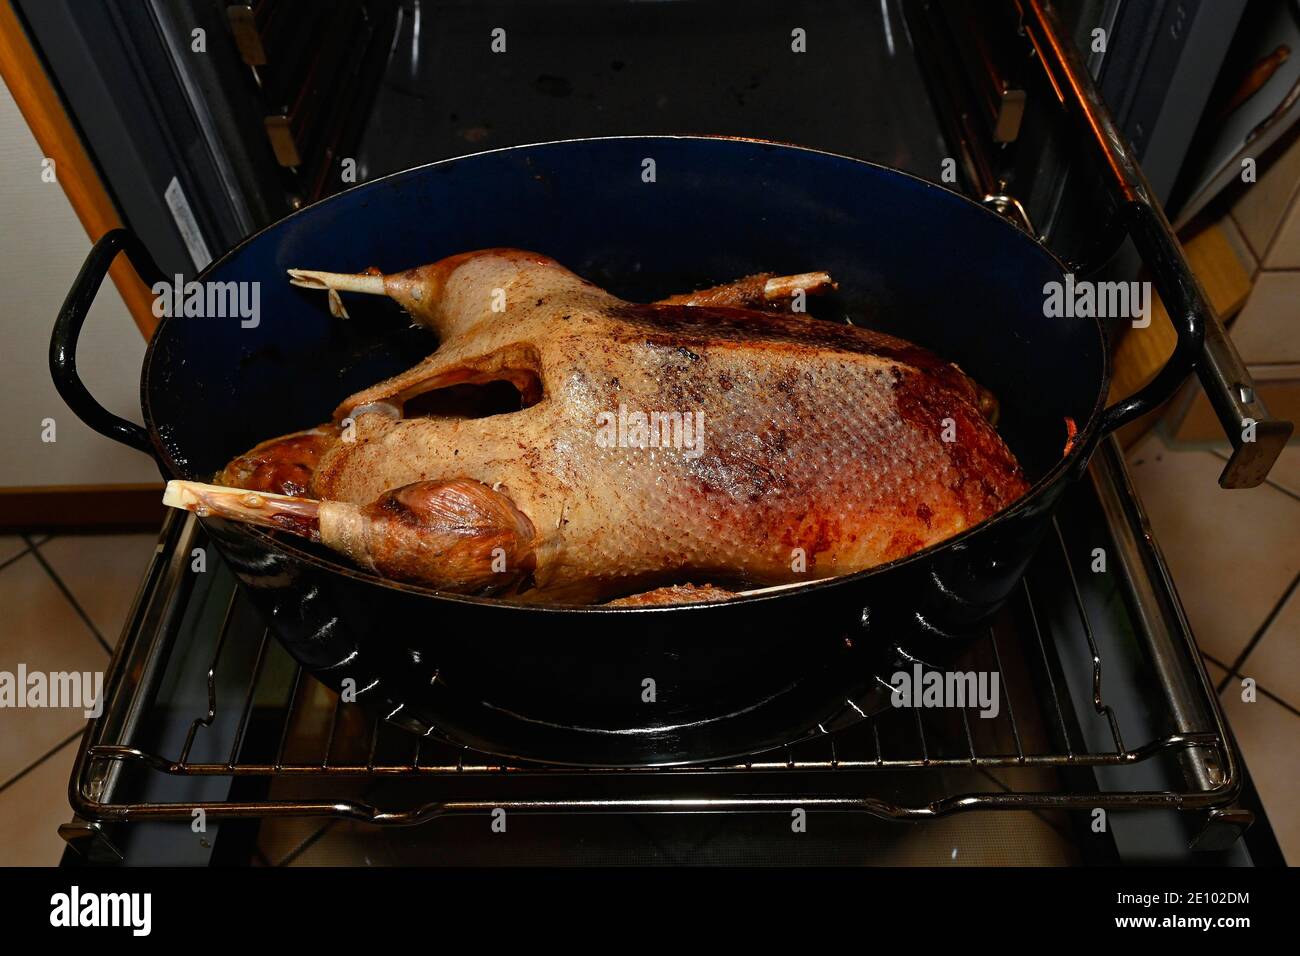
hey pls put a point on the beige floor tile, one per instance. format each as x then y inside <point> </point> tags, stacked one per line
<point>1262,204</point>
<point>1286,471</point>
<point>1231,232</point>
<point>278,838</point>
<point>32,809</point>
<point>10,545</point>
<point>103,572</point>
<point>1232,553</point>
<point>1266,330</point>
<point>345,843</point>
<point>1266,732</point>
<point>1275,661</point>
<point>40,629</point>
<point>1216,672</point>
<point>1284,253</point>
<point>1235,686</point>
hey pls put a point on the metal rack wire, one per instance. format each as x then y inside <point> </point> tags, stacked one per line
<point>285,728</point>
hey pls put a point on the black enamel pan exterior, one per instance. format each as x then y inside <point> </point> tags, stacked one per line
<point>564,684</point>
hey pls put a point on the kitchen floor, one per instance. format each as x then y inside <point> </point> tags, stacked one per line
<point>1235,559</point>
<point>1234,555</point>
<point>63,602</point>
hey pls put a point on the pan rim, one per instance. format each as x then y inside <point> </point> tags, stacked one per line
<point>1080,452</point>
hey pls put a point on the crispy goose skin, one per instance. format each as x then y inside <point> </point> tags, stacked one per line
<point>824,448</point>
<point>673,594</point>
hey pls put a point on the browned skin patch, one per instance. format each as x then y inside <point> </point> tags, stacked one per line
<point>674,594</point>
<point>683,326</point>
<point>984,477</point>
<point>283,466</point>
<point>451,534</point>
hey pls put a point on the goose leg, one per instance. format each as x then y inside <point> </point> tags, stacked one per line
<point>457,535</point>
<point>763,291</point>
<point>368,283</point>
<point>453,294</point>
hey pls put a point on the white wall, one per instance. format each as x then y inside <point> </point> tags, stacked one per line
<point>42,245</point>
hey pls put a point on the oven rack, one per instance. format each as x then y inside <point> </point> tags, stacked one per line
<point>285,745</point>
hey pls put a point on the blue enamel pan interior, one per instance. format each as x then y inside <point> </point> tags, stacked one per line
<point>910,257</point>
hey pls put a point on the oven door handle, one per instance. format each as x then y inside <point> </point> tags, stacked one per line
<point>1257,437</point>
<point>67,330</point>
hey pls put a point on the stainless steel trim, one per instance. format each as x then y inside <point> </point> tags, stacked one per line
<point>1174,654</point>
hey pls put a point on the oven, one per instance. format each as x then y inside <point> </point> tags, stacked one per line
<point>1105,743</point>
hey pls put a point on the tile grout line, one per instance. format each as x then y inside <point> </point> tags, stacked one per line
<point>21,554</point>
<point>1227,673</point>
<point>1278,700</point>
<point>1263,628</point>
<point>1271,696</point>
<point>1227,680</point>
<point>1282,488</point>
<point>41,759</point>
<point>36,552</point>
<point>1249,245</point>
<point>1276,234</point>
<point>306,844</point>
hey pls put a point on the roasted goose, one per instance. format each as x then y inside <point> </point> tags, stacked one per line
<point>670,452</point>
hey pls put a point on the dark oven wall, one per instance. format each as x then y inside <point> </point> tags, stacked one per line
<point>1154,62</point>
<point>229,115</point>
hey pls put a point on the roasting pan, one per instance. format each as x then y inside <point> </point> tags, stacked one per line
<point>630,686</point>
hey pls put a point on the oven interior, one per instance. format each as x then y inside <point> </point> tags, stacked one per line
<point>1104,707</point>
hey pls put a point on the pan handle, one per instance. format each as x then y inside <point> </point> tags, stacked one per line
<point>67,329</point>
<point>1257,437</point>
